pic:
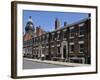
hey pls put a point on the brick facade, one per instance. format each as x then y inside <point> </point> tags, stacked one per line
<point>70,43</point>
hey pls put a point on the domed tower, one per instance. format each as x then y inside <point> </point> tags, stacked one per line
<point>30,27</point>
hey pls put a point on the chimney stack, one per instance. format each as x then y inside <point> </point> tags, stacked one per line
<point>65,24</point>
<point>57,23</point>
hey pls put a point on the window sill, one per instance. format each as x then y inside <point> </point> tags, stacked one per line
<point>71,37</point>
<point>80,52</point>
<point>81,36</point>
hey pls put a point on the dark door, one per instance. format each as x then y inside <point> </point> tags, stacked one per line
<point>64,51</point>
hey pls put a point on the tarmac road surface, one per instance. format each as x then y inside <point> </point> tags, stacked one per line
<point>28,64</point>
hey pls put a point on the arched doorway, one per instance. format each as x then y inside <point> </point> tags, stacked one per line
<point>64,50</point>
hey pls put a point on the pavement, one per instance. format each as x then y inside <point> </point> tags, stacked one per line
<point>58,63</point>
<point>29,64</point>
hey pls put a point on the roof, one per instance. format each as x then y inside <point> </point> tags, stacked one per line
<point>75,23</point>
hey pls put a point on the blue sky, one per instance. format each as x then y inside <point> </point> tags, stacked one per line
<point>46,19</point>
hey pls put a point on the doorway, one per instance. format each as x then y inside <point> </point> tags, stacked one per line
<point>64,52</point>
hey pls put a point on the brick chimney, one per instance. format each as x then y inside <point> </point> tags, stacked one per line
<point>39,31</point>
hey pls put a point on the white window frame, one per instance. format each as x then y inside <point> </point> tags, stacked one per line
<point>81,25</point>
<point>70,44</point>
<point>47,38</point>
<point>53,36</point>
<point>64,34</point>
<point>58,35</point>
<point>80,42</point>
<point>71,37</point>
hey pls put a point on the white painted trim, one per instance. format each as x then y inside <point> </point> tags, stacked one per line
<point>64,30</point>
<point>81,25</point>
<point>64,43</point>
<point>81,35</point>
<point>52,46</point>
<point>58,45</point>
<point>81,42</point>
<point>71,43</point>
<point>71,37</point>
<point>58,32</point>
<point>71,28</point>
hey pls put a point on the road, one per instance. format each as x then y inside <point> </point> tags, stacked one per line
<point>28,64</point>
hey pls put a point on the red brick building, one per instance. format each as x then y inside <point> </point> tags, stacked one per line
<point>70,43</point>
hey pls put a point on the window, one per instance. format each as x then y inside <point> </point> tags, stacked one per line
<point>24,43</point>
<point>27,43</point>
<point>43,50</point>
<point>47,38</point>
<point>81,48</point>
<point>53,37</point>
<point>30,50</point>
<point>31,42</point>
<point>58,35</point>
<point>71,47</point>
<point>36,41</point>
<point>46,50</point>
<point>81,30</point>
<point>71,34</point>
<point>26,50</point>
<point>52,50</point>
<point>42,39</point>
<point>64,35</point>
